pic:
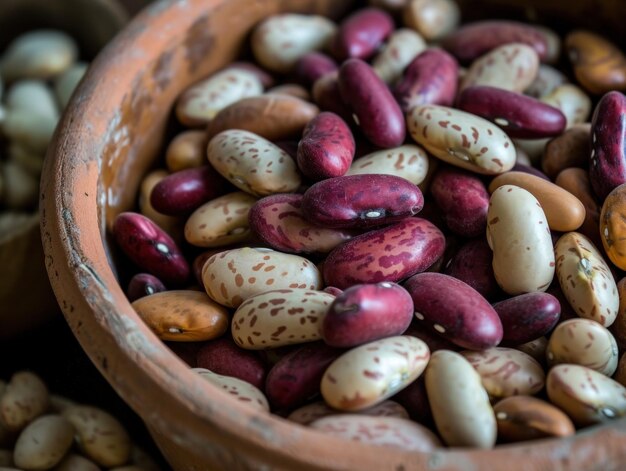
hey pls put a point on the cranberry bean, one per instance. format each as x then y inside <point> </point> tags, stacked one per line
<point>472,265</point>
<point>401,48</point>
<point>361,33</point>
<point>241,390</point>
<point>313,66</point>
<point>328,97</point>
<point>364,313</point>
<point>143,284</point>
<point>431,78</point>
<point>149,247</point>
<point>306,414</point>
<point>409,161</point>
<point>266,79</point>
<point>390,254</point>
<point>528,316</point>
<point>361,201</point>
<point>327,147</point>
<point>376,111</point>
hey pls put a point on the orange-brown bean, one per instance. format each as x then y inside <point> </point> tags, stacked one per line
<point>570,149</point>
<point>186,150</point>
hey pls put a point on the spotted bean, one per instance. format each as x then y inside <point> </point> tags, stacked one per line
<point>402,47</point>
<point>409,162</point>
<point>242,391</point>
<point>306,414</point>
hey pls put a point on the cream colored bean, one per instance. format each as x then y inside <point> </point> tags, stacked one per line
<point>221,221</point>
<point>252,163</point>
<point>317,410</point>
<point>547,80</point>
<point>521,157</point>
<point>241,390</point>
<point>553,41</point>
<point>169,224</point>
<point>43,443</point>
<point>100,436</point>
<point>459,402</point>
<point>26,159</point>
<point>402,47</point>
<point>367,375</point>
<point>391,432</point>
<point>433,19</point>
<point>21,189</point>
<point>583,342</point>
<point>32,96</point>
<point>235,275</point>
<point>33,131</point>
<point>198,104</point>
<point>73,462</point>
<point>573,102</point>
<point>518,234</point>
<point>511,67</point>
<point>59,403</point>
<point>507,372</point>
<point>25,398</point>
<point>462,139</point>
<point>586,279</point>
<point>409,162</point>
<point>280,317</point>
<point>534,148</point>
<point>66,83</point>
<point>279,41</point>
<point>586,396</point>
<point>535,348</point>
<point>186,150</point>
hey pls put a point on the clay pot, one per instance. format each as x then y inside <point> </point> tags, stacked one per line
<point>106,142</point>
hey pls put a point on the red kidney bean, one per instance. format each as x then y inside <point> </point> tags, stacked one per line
<point>200,260</point>
<point>607,169</point>
<point>327,147</point>
<point>389,254</point>
<point>567,312</point>
<point>327,96</point>
<point>186,190</point>
<point>365,200</point>
<point>143,284</point>
<point>186,351</point>
<point>291,147</point>
<point>376,111</point>
<point>455,310</point>
<point>431,78</point>
<point>313,66</point>
<point>520,116</point>
<point>364,313</point>
<point>361,33</point>
<point>432,339</point>
<point>224,357</point>
<point>463,200</point>
<point>278,220</point>
<point>472,264</point>
<point>296,376</point>
<point>528,169</point>
<point>475,39</point>
<point>333,290</point>
<point>415,400</point>
<point>527,317</point>
<point>150,248</point>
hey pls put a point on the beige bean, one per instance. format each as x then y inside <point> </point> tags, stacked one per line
<point>186,150</point>
<point>402,47</point>
<point>34,97</point>
<point>586,279</point>
<point>66,83</point>
<point>169,224</point>
<point>433,19</point>
<point>535,348</point>
<point>59,403</point>
<point>74,462</point>
<point>242,391</point>
<point>573,102</point>
<point>586,396</point>
<point>521,156</point>
<point>518,234</point>
<point>235,275</point>
<point>100,436</point>
<point>26,159</point>
<point>409,162</point>
<point>570,149</point>
<point>25,398</point>
<point>291,89</point>
<point>546,81</point>
<point>368,374</point>
<point>459,402</point>
<point>311,412</point>
<point>21,189</point>
<point>33,131</point>
<point>553,42</point>
<point>43,443</point>
<point>533,148</point>
<point>462,139</point>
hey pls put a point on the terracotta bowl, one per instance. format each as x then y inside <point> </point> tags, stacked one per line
<point>108,139</point>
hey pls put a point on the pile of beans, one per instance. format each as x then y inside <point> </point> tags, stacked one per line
<point>40,431</point>
<point>413,239</point>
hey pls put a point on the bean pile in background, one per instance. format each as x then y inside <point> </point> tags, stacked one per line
<point>398,229</point>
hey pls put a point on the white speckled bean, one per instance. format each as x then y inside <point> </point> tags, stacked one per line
<point>43,443</point>
<point>583,342</point>
<point>402,47</point>
<point>311,412</point>
<point>462,139</point>
<point>24,399</point>
<point>518,234</point>
<point>507,372</point>
<point>221,221</point>
<point>459,402</point>
<point>380,431</point>
<point>243,391</point>
<point>233,276</point>
<point>280,317</point>
<point>535,348</point>
<point>547,80</point>
<point>279,41</point>
<point>369,374</point>
<point>409,162</point>
<point>586,396</point>
<point>253,164</point>
<point>198,104</point>
<point>573,102</point>
<point>511,67</point>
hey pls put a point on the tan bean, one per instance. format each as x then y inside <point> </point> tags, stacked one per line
<point>409,162</point>
<point>433,19</point>
<point>169,224</point>
<point>547,79</point>
<point>43,443</point>
<point>243,391</point>
<point>572,101</point>
<point>25,398</point>
<point>570,149</point>
<point>535,348</point>
<point>311,412</point>
<point>533,148</point>
<point>402,47</point>
<point>186,150</point>
<point>290,89</point>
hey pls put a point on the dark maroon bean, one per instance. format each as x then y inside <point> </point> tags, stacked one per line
<point>361,33</point>
<point>375,109</point>
<point>475,39</point>
<point>567,312</point>
<point>607,168</point>
<point>432,339</point>
<point>186,351</point>
<point>186,190</point>
<point>472,264</point>
<point>143,284</point>
<point>520,116</point>
<point>389,254</point>
<point>296,377</point>
<point>454,310</point>
<point>327,147</point>
<point>463,200</point>
<point>313,66</point>
<point>364,313</point>
<point>224,357</point>
<point>415,400</point>
<point>531,170</point>
<point>327,96</point>
<point>291,147</point>
<point>528,316</point>
<point>430,79</point>
<point>150,248</point>
<point>361,201</point>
